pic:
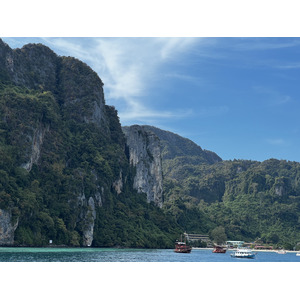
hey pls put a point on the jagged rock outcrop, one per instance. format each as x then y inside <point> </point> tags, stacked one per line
<point>33,66</point>
<point>118,184</point>
<point>145,155</point>
<point>151,149</point>
<point>174,145</point>
<point>36,66</point>
<point>7,228</point>
<point>81,104</point>
<point>88,216</point>
<point>36,138</point>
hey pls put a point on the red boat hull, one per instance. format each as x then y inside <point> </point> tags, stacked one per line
<point>219,250</point>
<point>182,248</point>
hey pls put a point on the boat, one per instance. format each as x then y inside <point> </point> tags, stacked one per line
<point>243,253</point>
<point>182,247</point>
<point>281,251</point>
<point>219,249</point>
<point>298,254</point>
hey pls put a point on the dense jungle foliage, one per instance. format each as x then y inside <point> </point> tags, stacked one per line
<point>251,200</point>
<point>58,150</point>
<point>76,158</point>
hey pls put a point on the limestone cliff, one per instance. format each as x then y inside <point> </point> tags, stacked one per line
<point>145,155</point>
<point>54,123</point>
<point>88,216</point>
<point>174,145</point>
<point>7,228</point>
<point>78,87</point>
<point>36,138</point>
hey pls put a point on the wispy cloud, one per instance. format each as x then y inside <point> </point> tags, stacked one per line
<point>250,44</point>
<point>294,65</point>
<point>128,67</point>
<point>277,142</point>
<point>142,114</point>
<point>195,80</point>
<point>67,46</point>
<point>170,46</point>
<point>272,96</point>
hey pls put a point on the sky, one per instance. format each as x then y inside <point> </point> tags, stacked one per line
<point>238,97</point>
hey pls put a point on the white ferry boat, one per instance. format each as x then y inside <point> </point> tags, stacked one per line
<point>243,253</point>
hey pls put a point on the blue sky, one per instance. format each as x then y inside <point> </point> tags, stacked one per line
<point>238,97</point>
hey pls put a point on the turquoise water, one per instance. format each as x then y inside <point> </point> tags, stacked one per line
<point>131,255</point>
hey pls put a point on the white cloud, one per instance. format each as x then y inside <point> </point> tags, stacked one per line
<point>170,46</point>
<point>250,44</point>
<point>188,78</point>
<point>143,114</point>
<point>68,46</point>
<point>129,68</point>
<point>295,65</point>
<point>131,65</point>
<point>276,142</point>
<point>272,96</point>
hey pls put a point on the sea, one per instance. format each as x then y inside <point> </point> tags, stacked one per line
<point>14,254</point>
<point>110,273</point>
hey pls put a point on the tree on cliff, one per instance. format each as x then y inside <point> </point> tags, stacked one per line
<point>218,235</point>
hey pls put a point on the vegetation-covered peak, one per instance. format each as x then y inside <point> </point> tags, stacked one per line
<point>64,173</point>
<point>174,145</point>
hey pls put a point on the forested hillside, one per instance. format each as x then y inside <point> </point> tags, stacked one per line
<point>64,172</point>
<point>251,200</point>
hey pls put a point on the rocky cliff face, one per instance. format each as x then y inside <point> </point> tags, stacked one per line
<point>145,155</point>
<point>88,216</point>
<point>151,149</point>
<point>37,67</point>
<point>174,145</point>
<point>7,228</point>
<point>36,139</point>
<point>59,106</point>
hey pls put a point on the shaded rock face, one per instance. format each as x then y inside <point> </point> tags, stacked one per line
<point>174,145</point>
<point>7,229</point>
<point>36,66</point>
<point>145,155</point>
<point>76,100</point>
<point>37,142</point>
<point>88,216</point>
<point>118,184</point>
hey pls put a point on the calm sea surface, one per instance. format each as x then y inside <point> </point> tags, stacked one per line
<point>131,255</point>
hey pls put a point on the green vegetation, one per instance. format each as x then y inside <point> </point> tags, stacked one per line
<point>62,151</point>
<point>75,160</point>
<point>251,200</point>
<point>218,235</point>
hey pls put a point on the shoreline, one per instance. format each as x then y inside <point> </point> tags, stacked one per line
<point>90,248</point>
<point>254,250</point>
